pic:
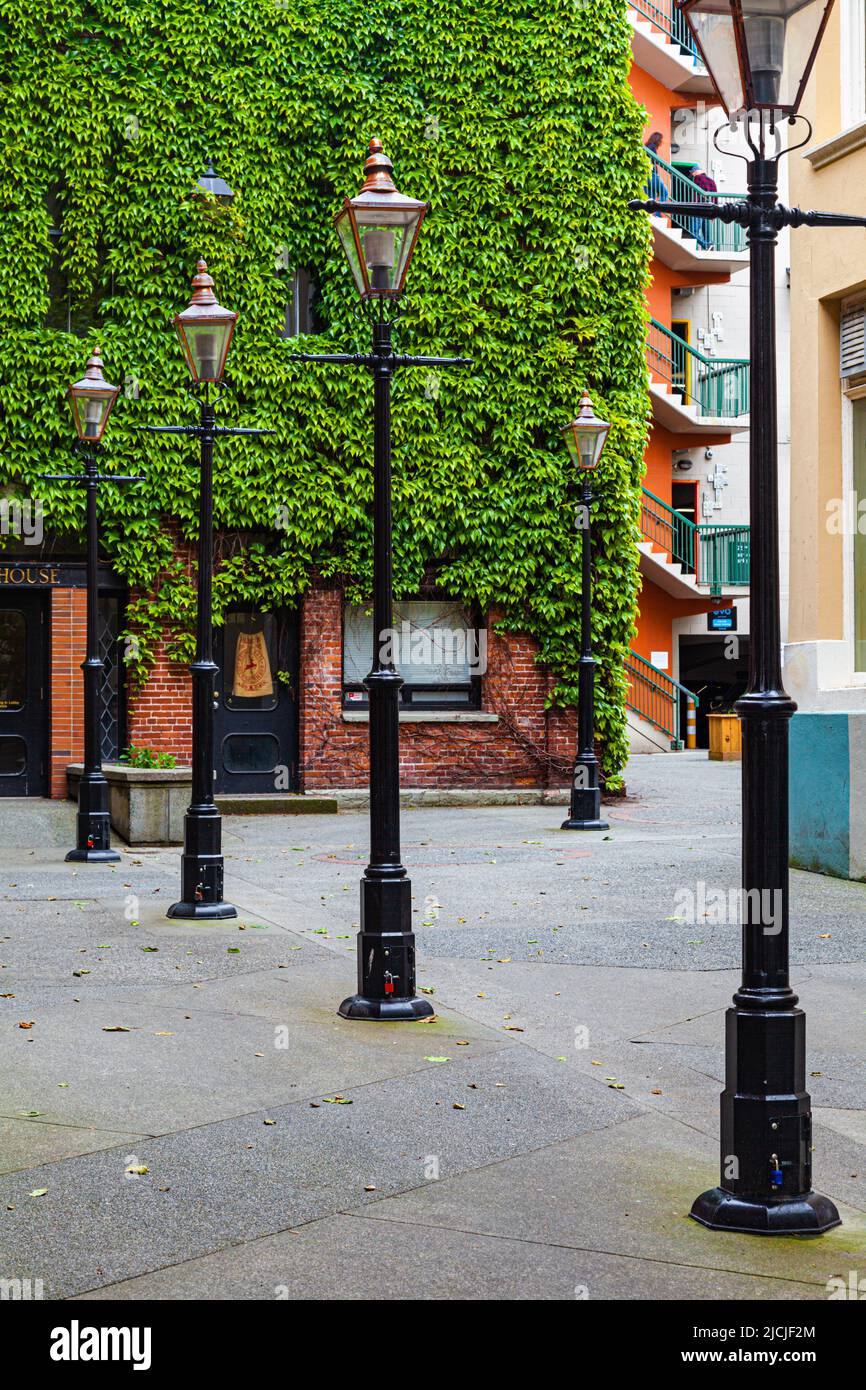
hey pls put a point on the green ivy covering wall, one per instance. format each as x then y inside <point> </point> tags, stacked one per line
<point>514,119</point>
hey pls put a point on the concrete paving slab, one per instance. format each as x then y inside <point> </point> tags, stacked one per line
<point>564,1009</point>
<point>213,1052</point>
<point>851,1123</point>
<point>622,1192</point>
<point>230,1182</point>
<point>346,1257</point>
<point>28,1142</point>
<point>832,996</point>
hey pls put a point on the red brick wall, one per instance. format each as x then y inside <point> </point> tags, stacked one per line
<point>68,627</point>
<point>515,752</point>
<point>159,716</point>
<point>528,747</point>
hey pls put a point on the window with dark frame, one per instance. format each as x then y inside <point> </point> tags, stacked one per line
<point>300,314</point>
<point>437,645</point>
<point>63,315</point>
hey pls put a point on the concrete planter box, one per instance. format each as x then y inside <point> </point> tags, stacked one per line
<point>726,744</point>
<point>146,804</point>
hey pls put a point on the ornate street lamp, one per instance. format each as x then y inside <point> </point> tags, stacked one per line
<point>92,399</point>
<point>760,54</point>
<point>205,330</point>
<point>378,230</point>
<point>586,437</point>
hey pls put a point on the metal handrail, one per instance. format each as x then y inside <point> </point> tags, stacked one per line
<point>656,696</point>
<point>716,386</point>
<point>716,555</point>
<point>666,15</point>
<point>669,184</point>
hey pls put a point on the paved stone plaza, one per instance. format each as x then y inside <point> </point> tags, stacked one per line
<point>543,1138</point>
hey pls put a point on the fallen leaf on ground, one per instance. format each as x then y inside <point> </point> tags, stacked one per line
<point>116,1028</point>
<point>38,1192</point>
<point>437,1059</point>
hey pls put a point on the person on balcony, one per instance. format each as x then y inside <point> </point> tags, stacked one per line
<point>708,185</point>
<point>655,186</point>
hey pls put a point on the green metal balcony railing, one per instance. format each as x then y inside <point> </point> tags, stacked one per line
<point>716,386</point>
<point>665,15</point>
<point>715,555</point>
<point>668,184</point>
<point>657,697</point>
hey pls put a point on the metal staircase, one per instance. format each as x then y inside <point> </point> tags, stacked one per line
<point>657,700</point>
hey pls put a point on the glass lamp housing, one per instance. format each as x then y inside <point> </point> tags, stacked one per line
<point>586,436</point>
<point>378,230</point>
<point>92,399</point>
<point>211,182</point>
<point>759,53</point>
<point>205,329</point>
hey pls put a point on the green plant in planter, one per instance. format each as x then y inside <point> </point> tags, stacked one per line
<point>147,757</point>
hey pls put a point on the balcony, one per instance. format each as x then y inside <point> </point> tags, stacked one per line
<point>689,560</point>
<point>689,244</point>
<point>663,46</point>
<point>693,394</point>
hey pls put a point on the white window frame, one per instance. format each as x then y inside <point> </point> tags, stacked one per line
<point>853,60</point>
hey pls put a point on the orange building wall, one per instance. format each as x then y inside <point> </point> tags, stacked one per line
<point>656,613</point>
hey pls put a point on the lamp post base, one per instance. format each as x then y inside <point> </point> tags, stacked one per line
<point>807,1215</point>
<point>385,1010</point>
<point>572,824</point>
<point>202,912</point>
<point>584,811</point>
<point>93,856</point>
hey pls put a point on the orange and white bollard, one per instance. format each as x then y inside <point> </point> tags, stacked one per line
<point>691,724</point>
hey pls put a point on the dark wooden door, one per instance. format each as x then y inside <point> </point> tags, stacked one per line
<point>256,707</point>
<point>23,694</point>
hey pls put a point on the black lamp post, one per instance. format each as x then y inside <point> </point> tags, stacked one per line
<point>378,230</point>
<point>586,437</point>
<point>205,330</point>
<point>759,54</point>
<point>92,399</point>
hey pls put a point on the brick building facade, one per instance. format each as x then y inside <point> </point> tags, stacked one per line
<point>314,734</point>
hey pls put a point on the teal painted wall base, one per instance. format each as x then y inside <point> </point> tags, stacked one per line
<point>827,793</point>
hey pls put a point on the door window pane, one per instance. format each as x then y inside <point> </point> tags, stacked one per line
<point>13,659</point>
<point>13,757</point>
<point>250,753</point>
<point>250,661</point>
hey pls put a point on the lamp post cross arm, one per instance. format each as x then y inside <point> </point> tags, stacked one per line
<point>795,217</point>
<point>93,477</point>
<point>711,212</point>
<point>354,359</point>
<point>196,430</point>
